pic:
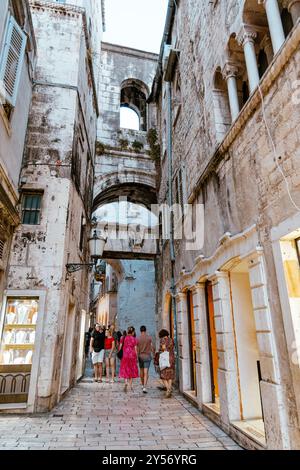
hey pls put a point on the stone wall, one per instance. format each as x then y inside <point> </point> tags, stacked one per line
<point>59,163</point>
<point>12,135</point>
<point>119,64</point>
<point>237,179</point>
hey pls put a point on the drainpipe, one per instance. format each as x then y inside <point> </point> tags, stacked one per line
<point>170,202</point>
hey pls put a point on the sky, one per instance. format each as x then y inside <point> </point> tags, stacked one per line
<point>135,23</point>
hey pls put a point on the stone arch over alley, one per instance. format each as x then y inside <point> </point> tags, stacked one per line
<point>125,171</point>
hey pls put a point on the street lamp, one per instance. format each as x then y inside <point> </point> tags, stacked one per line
<point>96,244</point>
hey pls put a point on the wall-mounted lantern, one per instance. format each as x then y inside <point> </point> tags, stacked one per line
<point>96,243</point>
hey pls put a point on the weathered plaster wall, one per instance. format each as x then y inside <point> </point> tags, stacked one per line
<point>59,161</point>
<point>12,138</point>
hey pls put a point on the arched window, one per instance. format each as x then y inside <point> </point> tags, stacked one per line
<point>134,95</point>
<point>287,21</point>
<point>221,105</point>
<point>129,119</point>
<point>262,62</point>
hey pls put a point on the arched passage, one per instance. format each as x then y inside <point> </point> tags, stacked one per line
<point>134,192</point>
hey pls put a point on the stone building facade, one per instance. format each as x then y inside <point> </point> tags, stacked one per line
<point>15,98</point>
<point>227,92</point>
<point>49,305</point>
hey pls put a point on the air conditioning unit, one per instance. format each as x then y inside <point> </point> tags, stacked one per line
<point>170,57</point>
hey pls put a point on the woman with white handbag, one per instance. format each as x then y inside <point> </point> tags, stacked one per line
<point>166,361</point>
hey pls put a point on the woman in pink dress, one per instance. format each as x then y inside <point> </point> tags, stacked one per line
<point>129,368</point>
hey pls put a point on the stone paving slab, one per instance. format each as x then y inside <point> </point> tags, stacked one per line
<point>103,417</point>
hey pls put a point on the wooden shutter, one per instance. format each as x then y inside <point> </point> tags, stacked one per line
<point>11,62</point>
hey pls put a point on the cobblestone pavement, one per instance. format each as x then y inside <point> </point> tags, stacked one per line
<point>103,417</point>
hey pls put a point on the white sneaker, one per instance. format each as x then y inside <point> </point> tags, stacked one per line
<point>144,390</point>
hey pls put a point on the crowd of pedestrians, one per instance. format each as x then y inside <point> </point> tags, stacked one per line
<point>128,357</point>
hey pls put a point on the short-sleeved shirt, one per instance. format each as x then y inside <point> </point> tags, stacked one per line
<point>99,339</point>
<point>109,342</point>
<point>144,346</point>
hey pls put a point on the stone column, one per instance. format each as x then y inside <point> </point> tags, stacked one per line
<point>204,394</point>
<point>183,342</point>
<point>229,73</point>
<point>294,9</point>
<point>227,371</point>
<point>274,22</point>
<point>246,38</point>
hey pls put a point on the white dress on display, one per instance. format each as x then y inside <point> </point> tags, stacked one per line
<point>21,337</point>
<point>22,314</point>
<point>32,337</point>
<point>19,360</point>
<point>7,357</point>
<point>8,337</point>
<point>28,358</point>
<point>10,318</point>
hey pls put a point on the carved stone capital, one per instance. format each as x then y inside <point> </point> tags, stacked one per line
<point>246,34</point>
<point>230,70</point>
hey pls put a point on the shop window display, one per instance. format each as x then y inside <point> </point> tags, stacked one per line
<point>18,335</point>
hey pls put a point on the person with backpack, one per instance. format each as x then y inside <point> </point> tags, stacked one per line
<point>97,350</point>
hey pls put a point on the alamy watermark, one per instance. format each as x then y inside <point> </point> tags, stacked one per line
<point>177,222</point>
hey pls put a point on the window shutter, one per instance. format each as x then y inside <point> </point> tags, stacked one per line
<point>12,60</point>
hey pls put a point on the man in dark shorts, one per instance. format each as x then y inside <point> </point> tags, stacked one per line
<point>144,349</point>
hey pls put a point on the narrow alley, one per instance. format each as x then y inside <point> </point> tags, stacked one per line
<point>102,417</point>
<point>150,221</point>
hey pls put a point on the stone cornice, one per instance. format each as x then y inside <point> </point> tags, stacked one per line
<point>8,187</point>
<point>8,214</point>
<point>274,70</point>
<point>202,263</point>
<point>129,51</point>
<point>61,8</point>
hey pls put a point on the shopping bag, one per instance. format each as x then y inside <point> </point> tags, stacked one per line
<point>164,360</point>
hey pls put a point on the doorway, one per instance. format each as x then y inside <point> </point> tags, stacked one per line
<point>192,341</point>
<point>212,341</point>
<point>81,352</point>
<point>248,359</point>
<point>67,358</point>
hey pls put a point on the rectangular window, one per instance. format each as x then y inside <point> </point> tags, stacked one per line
<point>31,209</point>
